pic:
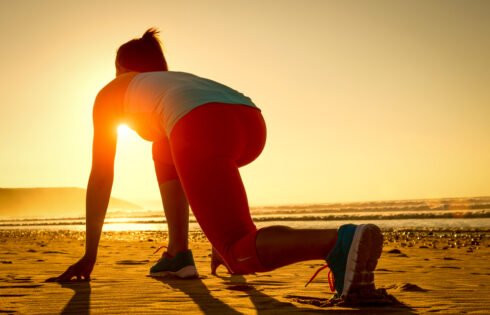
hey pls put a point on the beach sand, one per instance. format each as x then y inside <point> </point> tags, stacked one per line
<point>427,272</point>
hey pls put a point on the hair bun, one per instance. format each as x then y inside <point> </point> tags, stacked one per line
<point>151,34</point>
<point>143,54</point>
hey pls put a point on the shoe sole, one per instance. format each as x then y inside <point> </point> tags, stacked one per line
<point>364,253</point>
<point>187,272</point>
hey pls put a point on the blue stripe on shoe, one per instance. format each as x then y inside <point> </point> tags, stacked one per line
<point>337,258</point>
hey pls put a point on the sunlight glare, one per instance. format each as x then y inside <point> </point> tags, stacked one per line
<point>124,131</point>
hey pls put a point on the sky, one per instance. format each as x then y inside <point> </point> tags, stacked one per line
<point>363,100</point>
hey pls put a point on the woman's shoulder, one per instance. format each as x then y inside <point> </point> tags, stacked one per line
<point>110,98</point>
<point>118,84</point>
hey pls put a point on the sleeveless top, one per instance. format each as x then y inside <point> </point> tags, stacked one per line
<point>155,101</point>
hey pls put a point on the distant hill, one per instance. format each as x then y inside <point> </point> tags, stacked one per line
<point>56,202</point>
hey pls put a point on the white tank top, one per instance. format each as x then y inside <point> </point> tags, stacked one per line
<point>156,101</point>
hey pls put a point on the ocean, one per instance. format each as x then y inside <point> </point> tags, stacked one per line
<point>426,214</point>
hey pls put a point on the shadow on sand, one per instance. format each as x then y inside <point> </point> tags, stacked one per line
<point>202,297</point>
<point>80,301</point>
<point>264,303</point>
<point>200,294</point>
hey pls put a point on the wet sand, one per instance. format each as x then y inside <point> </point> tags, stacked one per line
<point>444,272</point>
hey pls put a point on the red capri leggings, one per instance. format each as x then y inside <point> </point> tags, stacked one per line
<point>204,151</point>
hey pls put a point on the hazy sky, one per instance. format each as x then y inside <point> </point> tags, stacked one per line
<point>364,100</point>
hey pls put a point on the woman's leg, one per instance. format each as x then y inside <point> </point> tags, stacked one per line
<point>208,145</point>
<point>279,246</point>
<point>174,201</point>
<point>176,210</point>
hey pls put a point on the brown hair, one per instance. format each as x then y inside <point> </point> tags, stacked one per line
<point>143,54</point>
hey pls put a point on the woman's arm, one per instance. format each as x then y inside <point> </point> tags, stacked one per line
<point>101,178</point>
<point>99,185</point>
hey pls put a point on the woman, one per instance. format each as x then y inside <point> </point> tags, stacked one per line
<point>202,132</point>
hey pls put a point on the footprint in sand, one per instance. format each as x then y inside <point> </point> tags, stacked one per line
<point>131,262</point>
<point>10,278</point>
<point>449,258</point>
<point>378,297</point>
<point>54,252</point>
<point>406,287</point>
<point>480,274</point>
<point>21,286</point>
<point>397,252</point>
<point>388,270</point>
<point>394,251</point>
<point>12,295</point>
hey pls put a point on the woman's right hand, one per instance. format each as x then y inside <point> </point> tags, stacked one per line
<point>81,270</point>
<point>217,261</point>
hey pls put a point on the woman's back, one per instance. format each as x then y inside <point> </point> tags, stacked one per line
<point>162,98</point>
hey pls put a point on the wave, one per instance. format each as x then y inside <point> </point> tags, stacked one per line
<point>442,205</point>
<point>264,218</point>
<point>394,216</point>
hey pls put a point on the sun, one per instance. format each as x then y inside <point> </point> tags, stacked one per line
<point>124,131</point>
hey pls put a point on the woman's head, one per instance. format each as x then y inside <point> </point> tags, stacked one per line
<point>142,54</point>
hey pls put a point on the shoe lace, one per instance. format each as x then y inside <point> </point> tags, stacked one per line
<point>331,279</point>
<point>158,249</point>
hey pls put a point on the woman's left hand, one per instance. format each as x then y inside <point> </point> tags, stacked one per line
<point>81,270</point>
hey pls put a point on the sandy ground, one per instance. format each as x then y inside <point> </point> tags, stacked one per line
<point>428,272</point>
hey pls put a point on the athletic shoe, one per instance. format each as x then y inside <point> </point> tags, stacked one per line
<point>353,259</point>
<point>181,266</point>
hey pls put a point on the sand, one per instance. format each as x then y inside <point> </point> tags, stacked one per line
<point>427,272</point>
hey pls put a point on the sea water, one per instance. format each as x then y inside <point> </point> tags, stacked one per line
<point>438,214</point>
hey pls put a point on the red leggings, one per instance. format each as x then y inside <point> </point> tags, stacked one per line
<point>204,151</point>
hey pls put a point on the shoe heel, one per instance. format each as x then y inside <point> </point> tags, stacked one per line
<point>368,253</point>
<point>188,272</point>
<point>375,239</point>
